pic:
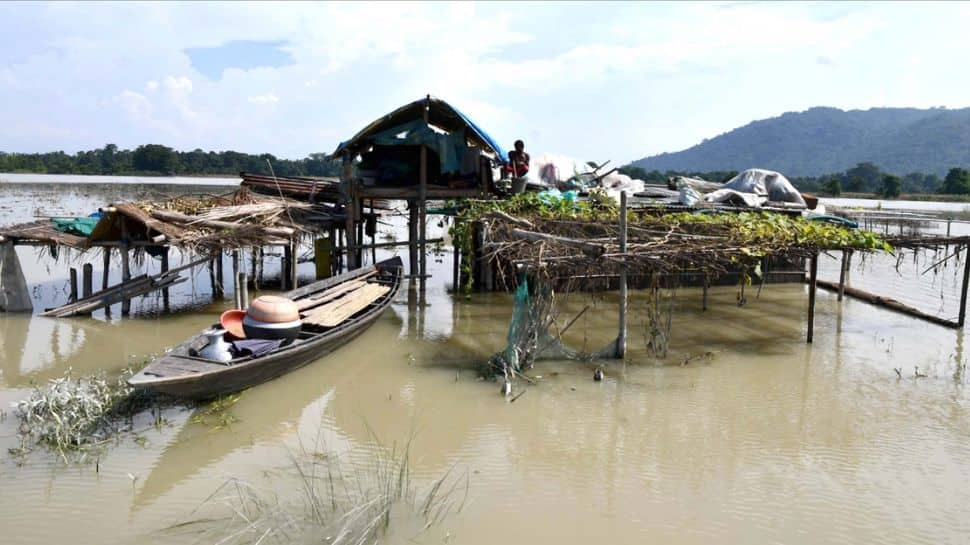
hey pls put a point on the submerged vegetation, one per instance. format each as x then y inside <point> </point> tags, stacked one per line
<point>334,499</point>
<point>77,418</point>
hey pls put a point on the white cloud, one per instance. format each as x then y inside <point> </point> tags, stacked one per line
<point>268,98</point>
<point>178,90</point>
<point>151,85</point>
<point>136,105</point>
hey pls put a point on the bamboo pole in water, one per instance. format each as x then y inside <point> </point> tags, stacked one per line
<point>165,300</point>
<point>220,274</point>
<point>87,280</point>
<point>294,264</point>
<point>413,240</point>
<point>125,266</point>
<point>812,286</point>
<point>621,336</point>
<point>423,203</point>
<point>963,290</point>
<point>73,295</point>
<point>842,270</point>
<point>243,283</point>
<point>235,279</point>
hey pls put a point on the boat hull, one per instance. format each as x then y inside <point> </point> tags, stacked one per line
<point>181,375</point>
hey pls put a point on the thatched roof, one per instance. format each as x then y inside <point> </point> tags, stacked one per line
<point>210,223</point>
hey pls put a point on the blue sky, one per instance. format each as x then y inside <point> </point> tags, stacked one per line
<point>595,81</point>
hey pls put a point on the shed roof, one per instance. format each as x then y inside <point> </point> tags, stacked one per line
<point>440,114</point>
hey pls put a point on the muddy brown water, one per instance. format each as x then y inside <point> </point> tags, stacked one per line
<point>765,439</point>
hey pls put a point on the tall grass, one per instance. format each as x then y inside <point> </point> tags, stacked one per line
<point>332,501</point>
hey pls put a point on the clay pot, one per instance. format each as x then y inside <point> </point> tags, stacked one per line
<point>273,309</point>
<point>231,321</point>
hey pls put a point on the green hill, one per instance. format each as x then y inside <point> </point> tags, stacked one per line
<point>825,140</point>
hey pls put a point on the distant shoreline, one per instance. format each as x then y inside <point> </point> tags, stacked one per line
<point>82,179</point>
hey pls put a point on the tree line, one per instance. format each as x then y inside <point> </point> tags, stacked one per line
<point>158,160</point>
<point>863,178</point>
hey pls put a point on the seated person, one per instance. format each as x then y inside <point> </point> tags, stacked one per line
<point>518,160</point>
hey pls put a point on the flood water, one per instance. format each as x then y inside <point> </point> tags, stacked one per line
<point>757,438</point>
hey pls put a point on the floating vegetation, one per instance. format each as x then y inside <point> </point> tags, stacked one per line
<point>216,413</point>
<point>330,503</point>
<point>75,417</point>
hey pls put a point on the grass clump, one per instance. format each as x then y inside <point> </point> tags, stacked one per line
<point>328,500</point>
<point>77,416</point>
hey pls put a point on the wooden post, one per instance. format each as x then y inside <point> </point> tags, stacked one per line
<point>350,210</point>
<point>413,241</point>
<point>360,232</point>
<point>842,270</point>
<point>372,228</point>
<point>235,279</point>
<point>423,202</point>
<point>488,276</point>
<point>285,268</point>
<point>334,254</point>
<point>87,280</point>
<point>252,266</point>
<point>106,265</point>
<point>456,268</point>
<point>165,299</point>
<point>621,336</point>
<point>294,264</point>
<point>73,295</point>
<point>258,281</point>
<point>340,251</point>
<point>220,287</point>
<point>963,291</point>
<point>243,282</point>
<point>125,266</point>
<point>212,277</point>
<point>812,286</point>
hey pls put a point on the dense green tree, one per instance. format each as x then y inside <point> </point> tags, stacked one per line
<point>863,177</point>
<point>155,158</point>
<point>891,186</point>
<point>833,186</point>
<point>957,182</point>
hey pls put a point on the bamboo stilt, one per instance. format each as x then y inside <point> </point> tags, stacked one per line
<point>72,297</point>
<point>621,335</point>
<point>165,294</point>
<point>812,286</point>
<point>87,280</point>
<point>125,266</point>
<point>966,283</point>
<point>842,272</point>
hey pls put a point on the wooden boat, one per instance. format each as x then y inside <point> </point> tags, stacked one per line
<point>334,311</point>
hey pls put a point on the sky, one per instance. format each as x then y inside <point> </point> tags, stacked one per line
<point>594,81</point>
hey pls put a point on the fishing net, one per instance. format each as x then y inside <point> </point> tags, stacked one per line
<point>528,338</point>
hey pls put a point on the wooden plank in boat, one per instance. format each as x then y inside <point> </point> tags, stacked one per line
<point>332,314</point>
<point>329,295</point>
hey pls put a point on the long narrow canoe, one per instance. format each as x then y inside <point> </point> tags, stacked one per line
<point>333,315</point>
